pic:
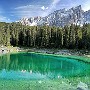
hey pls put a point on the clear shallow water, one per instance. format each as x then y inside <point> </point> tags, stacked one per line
<point>32,66</point>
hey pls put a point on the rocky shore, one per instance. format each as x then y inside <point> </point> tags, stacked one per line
<point>11,49</point>
<point>61,51</point>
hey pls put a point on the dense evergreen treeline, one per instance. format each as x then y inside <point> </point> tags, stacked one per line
<point>70,37</point>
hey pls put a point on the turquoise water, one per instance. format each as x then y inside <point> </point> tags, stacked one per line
<point>30,66</point>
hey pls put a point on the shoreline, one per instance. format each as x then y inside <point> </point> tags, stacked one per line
<point>79,58</point>
<point>80,55</point>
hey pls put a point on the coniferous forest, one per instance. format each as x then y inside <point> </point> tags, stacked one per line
<point>69,37</point>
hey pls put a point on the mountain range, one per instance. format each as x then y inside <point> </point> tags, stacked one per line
<point>62,17</point>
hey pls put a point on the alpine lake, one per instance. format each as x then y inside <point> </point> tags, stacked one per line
<point>34,71</point>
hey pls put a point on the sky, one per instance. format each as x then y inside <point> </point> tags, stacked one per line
<point>13,10</point>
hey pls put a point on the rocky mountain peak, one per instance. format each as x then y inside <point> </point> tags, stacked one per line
<point>62,17</point>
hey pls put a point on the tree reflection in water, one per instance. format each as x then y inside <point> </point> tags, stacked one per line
<point>29,65</point>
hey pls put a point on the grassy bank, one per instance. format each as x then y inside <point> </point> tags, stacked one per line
<point>35,85</point>
<point>57,84</point>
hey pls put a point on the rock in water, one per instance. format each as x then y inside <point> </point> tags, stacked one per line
<point>82,86</point>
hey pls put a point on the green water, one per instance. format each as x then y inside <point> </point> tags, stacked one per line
<point>30,66</point>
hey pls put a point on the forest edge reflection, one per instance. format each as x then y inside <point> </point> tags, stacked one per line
<point>37,66</point>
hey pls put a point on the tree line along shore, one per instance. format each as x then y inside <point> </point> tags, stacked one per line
<point>68,37</point>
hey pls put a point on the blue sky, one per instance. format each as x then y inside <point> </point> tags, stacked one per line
<point>13,10</point>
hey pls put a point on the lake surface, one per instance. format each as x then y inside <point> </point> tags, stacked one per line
<point>30,66</point>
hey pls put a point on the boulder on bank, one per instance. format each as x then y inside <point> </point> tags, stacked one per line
<point>82,86</point>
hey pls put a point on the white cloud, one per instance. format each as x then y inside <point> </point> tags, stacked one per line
<point>30,11</point>
<point>44,8</point>
<point>35,10</point>
<point>86,5</point>
<point>51,7</point>
<point>23,7</point>
<point>4,19</point>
